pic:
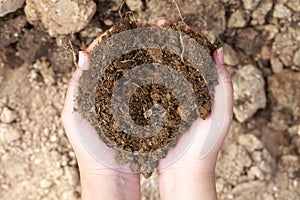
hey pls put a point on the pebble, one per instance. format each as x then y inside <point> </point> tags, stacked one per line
<point>8,115</point>
<point>259,14</point>
<point>134,5</point>
<point>249,92</point>
<point>265,52</point>
<point>284,88</point>
<point>250,4</point>
<point>276,65</point>
<point>250,142</point>
<point>255,173</point>
<point>230,55</point>
<point>8,134</point>
<point>8,6</point>
<point>281,11</point>
<point>237,20</point>
<point>108,22</point>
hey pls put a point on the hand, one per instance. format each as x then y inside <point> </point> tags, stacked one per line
<point>192,177</point>
<point>97,180</point>
<point>101,182</point>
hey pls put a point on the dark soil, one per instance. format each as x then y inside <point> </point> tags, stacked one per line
<point>149,148</point>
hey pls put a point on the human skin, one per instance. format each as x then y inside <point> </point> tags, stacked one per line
<point>188,178</point>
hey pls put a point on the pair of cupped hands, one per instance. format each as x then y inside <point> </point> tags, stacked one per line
<point>189,177</point>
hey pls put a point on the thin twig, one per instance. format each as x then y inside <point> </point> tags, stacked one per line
<point>67,44</point>
<point>179,11</point>
<point>120,8</point>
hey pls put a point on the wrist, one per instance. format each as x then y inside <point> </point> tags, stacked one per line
<point>187,184</point>
<point>109,185</point>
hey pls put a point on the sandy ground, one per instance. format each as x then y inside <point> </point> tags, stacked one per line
<point>260,158</point>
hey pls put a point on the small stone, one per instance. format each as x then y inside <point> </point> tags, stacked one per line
<point>8,134</point>
<point>255,173</point>
<point>285,46</point>
<point>249,93</point>
<point>8,115</point>
<point>108,22</point>
<point>281,11</point>
<point>134,5</point>
<point>259,14</point>
<point>45,183</point>
<point>8,6</point>
<point>296,58</point>
<point>294,5</point>
<point>265,52</point>
<point>230,55</point>
<point>250,4</point>
<point>250,142</point>
<point>276,65</point>
<point>284,88</point>
<point>237,20</point>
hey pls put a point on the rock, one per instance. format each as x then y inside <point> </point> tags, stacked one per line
<point>8,115</point>
<point>266,52</point>
<point>8,6</point>
<point>285,46</point>
<point>134,5</point>
<point>269,30</point>
<point>255,173</point>
<point>11,30</point>
<point>259,14</point>
<point>8,134</point>
<point>30,48</point>
<point>234,159</point>
<point>250,4</point>
<point>61,59</point>
<point>284,88</point>
<point>108,22</point>
<point>230,55</point>
<point>276,65</point>
<point>294,5</point>
<point>296,58</point>
<point>237,20</point>
<point>281,11</point>
<point>249,94</point>
<point>60,16</point>
<point>250,142</point>
<point>249,40</point>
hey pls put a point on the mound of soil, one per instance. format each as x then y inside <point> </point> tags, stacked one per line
<point>141,149</point>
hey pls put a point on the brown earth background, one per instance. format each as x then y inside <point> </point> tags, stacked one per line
<point>260,158</point>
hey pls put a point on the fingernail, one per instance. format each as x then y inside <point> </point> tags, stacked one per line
<point>83,60</point>
<point>220,56</point>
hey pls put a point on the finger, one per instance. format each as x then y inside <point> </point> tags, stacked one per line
<point>222,108</point>
<point>162,22</point>
<point>83,64</point>
<point>223,74</point>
